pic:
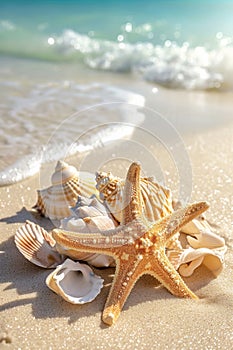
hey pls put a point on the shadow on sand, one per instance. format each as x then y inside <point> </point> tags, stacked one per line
<point>29,281</point>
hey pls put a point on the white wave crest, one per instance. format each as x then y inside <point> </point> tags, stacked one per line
<point>170,65</point>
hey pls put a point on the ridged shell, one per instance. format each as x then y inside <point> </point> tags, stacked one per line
<point>55,201</point>
<point>37,245</point>
<point>75,282</point>
<point>89,215</point>
<point>156,199</point>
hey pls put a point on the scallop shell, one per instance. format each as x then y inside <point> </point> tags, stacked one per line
<point>89,215</point>
<point>37,245</point>
<point>55,201</point>
<point>156,199</point>
<point>75,282</point>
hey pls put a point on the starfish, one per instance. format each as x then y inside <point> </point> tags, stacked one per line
<point>137,245</point>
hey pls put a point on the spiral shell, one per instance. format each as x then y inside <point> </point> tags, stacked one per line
<point>156,199</point>
<point>55,201</point>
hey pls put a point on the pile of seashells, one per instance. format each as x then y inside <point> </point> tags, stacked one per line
<point>83,202</point>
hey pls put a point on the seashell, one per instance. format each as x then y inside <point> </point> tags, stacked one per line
<point>201,246</point>
<point>37,245</point>
<point>75,282</point>
<point>55,201</point>
<point>90,207</point>
<point>89,215</point>
<point>156,199</point>
<point>191,258</point>
<point>200,235</point>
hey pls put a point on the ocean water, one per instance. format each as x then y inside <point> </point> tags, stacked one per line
<point>181,44</point>
<point>65,64</point>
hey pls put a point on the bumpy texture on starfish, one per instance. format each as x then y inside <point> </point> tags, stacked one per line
<point>137,245</point>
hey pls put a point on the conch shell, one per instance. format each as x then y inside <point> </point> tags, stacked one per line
<point>156,199</point>
<point>200,246</point>
<point>37,245</point>
<point>89,215</point>
<point>75,282</point>
<point>55,201</point>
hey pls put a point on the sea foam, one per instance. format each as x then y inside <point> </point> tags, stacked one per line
<point>49,129</point>
<point>170,65</point>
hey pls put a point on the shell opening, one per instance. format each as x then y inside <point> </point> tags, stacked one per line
<point>74,284</point>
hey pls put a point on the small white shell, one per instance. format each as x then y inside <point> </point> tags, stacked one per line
<point>89,215</point>
<point>200,235</point>
<point>75,282</point>
<point>89,207</point>
<point>199,246</point>
<point>191,258</point>
<point>55,201</point>
<point>156,199</point>
<point>37,245</point>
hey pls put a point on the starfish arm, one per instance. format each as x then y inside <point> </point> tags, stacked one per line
<point>132,206</point>
<point>164,272</point>
<point>106,242</point>
<point>126,275</point>
<point>173,223</point>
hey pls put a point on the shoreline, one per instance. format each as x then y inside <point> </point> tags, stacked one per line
<point>188,112</point>
<point>34,317</point>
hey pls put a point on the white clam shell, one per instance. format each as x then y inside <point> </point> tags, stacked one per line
<point>75,282</point>
<point>55,201</point>
<point>156,199</point>
<point>37,245</point>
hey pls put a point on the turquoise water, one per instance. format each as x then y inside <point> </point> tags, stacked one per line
<point>175,44</point>
<point>185,44</point>
<point>197,22</point>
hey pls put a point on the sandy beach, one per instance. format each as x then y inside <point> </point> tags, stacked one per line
<point>101,84</point>
<point>32,317</point>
